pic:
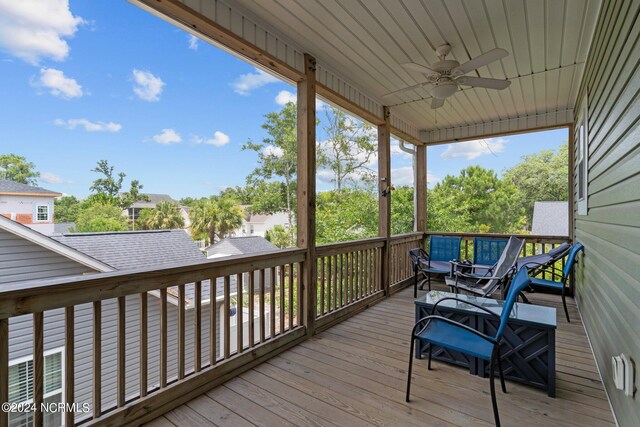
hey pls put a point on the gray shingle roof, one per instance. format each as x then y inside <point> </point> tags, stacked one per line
<point>7,186</point>
<point>154,199</point>
<point>135,249</point>
<point>550,219</point>
<point>62,227</point>
<point>241,246</point>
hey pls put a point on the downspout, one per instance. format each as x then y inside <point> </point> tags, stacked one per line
<point>412,152</point>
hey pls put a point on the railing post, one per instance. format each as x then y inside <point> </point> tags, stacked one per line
<point>306,219</point>
<point>384,197</point>
<point>420,188</point>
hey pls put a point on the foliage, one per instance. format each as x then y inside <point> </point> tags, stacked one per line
<point>475,201</point>
<point>17,168</point>
<point>280,237</point>
<point>110,186</point>
<point>349,149</point>
<point>187,201</point>
<point>165,216</point>
<point>242,194</point>
<point>277,155</point>
<point>269,197</point>
<point>541,177</point>
<point>402,210</point>
<point>215,217</point>
<point>66,209</point>
<point>349,215</point>
<point>96,217</point>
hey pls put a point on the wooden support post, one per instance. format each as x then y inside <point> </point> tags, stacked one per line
<point>571,187</point>
<point>307,188</point>
<point>420,188</point>
<point>384,196</point>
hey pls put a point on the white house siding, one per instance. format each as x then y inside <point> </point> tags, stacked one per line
<point>608,275</point>
<point>14,205</point>
<point>264,224</point>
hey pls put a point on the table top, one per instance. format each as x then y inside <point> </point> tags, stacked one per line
<point>527,313</point>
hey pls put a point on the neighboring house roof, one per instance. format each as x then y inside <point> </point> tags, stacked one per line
<point>240,246</point>
<point>154,199</point>
<point>62,227</point>
<point>53,245</point>
<point>8,187</point>
<point>550,219</point>
<point>125,250</point>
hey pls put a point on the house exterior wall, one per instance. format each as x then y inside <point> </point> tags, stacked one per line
<point>23,210</point>
<point>249,228</point>
<point>608,274</point>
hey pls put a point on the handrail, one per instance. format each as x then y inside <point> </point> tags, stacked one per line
<point>46,294</point>
<point>406,237</point>
<point>530,237</point>
<point>352,245</point>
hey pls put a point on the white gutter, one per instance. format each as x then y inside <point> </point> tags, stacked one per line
<point>413,153</point>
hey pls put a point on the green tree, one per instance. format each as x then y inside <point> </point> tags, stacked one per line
<point>187,201</point>
<point>279,236</point>
<point>215,217</point>
<point>165,216</point>
<point>348,150</point>
<point>543,176</point>
<point>96,217</point>
<point>402,210</point>
<point>349,215</point>
<point>277,154</point>
<point>66,209</point>
<point>475,201</point>
<point>110,186</point>
<point>17,168</point>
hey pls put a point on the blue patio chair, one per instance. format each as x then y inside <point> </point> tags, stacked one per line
<point>562,284</point>
<point>487,252</point>
<point>444,332</point>
<point>442,249</point>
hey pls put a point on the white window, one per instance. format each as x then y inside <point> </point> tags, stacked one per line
<point>21,387</point>
<point>582,164</point>
<point>42,213</point>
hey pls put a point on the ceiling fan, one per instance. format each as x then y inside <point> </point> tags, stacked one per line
<point>447,75</point>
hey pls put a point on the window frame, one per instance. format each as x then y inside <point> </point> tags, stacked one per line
<point>582,163</point>
<point>37,217</point>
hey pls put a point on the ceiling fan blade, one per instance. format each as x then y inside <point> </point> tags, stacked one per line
<point>418,67</point>
<point>436,103</point>
<point>395,92</point>
<point>483,82</point>
<point>480,61</point>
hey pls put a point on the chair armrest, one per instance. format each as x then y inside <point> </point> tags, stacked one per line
<point>433,309</point>
<point>428,319</point>
<point>468,276</point>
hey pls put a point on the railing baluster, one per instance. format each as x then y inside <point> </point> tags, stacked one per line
<point>122,345</point>
<point>262,313</point>
<point>213,316</point>
<point>252,275</point>
<point>239,320</point>
<point>272,303</point>
<point>163,337</point>
<point>322,293</point>
<point>291,296</point>
<point>4,369</point>
<point>69,354</point>
<point>281,308</point>
<point>144,345</point>
<point>301,285</point>
<point>181,331</point>
<point>197,327</point>
<point>329,285</point>
<point>227,317</point>
<point>97,359</point>
<point>38,367</point>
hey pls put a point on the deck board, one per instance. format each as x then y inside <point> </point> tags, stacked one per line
<point>355,374</point>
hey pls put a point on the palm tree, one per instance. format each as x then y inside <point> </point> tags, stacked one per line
<point>165,216</point>
<point>230,216</point>
<point>216,217</point>
<point>204,219</point>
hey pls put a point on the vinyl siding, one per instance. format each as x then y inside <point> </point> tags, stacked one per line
<point>608,275</point>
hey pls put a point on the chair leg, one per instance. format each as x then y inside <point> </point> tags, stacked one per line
<point>492,385</point>
<point>429,362</point>
<point>429,274</point>
<point>564,304</point>
<point>410,367</point>
<point>504,388</point>
<point>415,284</point>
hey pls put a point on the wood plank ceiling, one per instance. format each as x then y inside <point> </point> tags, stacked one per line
<point>366,41</point>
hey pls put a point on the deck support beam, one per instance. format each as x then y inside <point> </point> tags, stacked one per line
<point>306,220</point>
<point>384,197</point>
<point>420,188</point>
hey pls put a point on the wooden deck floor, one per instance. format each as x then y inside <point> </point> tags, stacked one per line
<point>354,374</point>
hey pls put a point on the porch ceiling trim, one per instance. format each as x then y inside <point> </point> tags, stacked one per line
<point>231,30</point>
<point>531,123</point>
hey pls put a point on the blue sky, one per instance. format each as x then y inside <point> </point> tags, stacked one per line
<point>85,81</point>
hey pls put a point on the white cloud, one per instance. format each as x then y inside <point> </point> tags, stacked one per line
<point>471,149</point>
<point>193,42</point>
<point>219,139</point>
<point>272,150</point>
<point>89,126</point>
<point>250,81</point>
<point>404,176</point>
<point>52,178</point>
<point>37,29</point>
<point>147,86</point>
<point>167,137</point>
<point>58,84</point>
<point>284,96</point>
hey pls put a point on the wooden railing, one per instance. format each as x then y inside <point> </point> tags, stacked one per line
<point>399,262</point>
<point>347,272</point>
<point>137,344</point>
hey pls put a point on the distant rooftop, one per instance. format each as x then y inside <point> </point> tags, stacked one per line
<point>8,187</point>
<point>154,199</point>
<point>550,219</point>
<point>125,250</point>
<point>240,246</point>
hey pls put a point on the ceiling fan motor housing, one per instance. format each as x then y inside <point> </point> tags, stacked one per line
<point>444,89</point>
